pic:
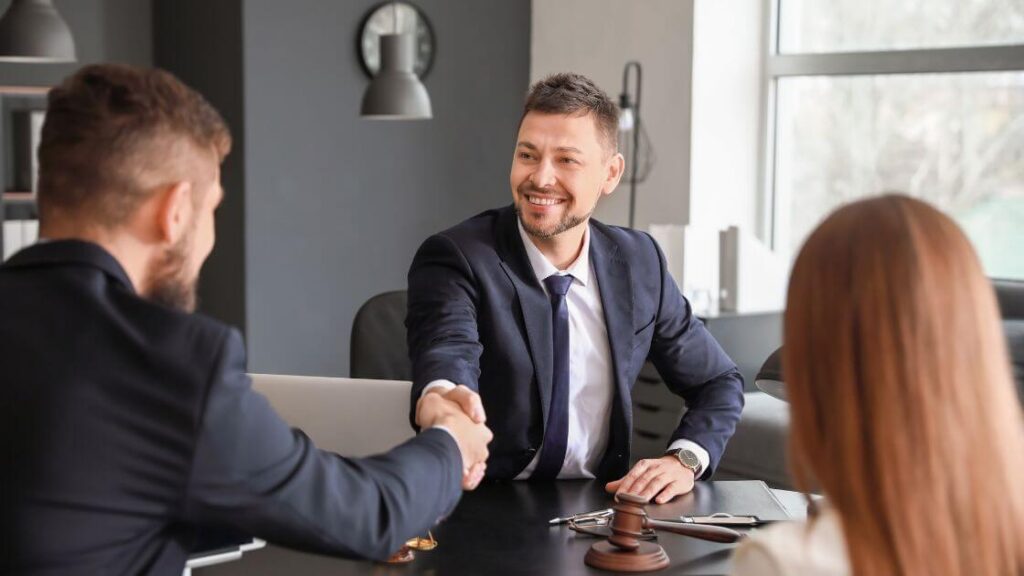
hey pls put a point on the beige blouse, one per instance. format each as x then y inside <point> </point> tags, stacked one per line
<point>816,548</point>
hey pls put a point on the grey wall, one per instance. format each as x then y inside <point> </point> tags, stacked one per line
<point>201,42</point>
<point>336,206</point>
<point>323,209</point>
<point>104,31</point>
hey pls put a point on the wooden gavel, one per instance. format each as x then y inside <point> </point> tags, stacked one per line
<point>624,552</point>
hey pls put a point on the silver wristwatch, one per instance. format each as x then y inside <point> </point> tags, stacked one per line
<point>689,459</point>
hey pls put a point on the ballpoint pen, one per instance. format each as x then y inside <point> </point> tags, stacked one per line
<point>606,513</point>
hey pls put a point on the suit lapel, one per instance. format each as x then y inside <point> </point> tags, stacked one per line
<point>533,303</point>
<point>614,283</point>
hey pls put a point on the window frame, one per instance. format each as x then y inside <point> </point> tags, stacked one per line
<point>778,65</point>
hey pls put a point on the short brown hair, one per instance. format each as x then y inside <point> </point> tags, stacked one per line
<point>106,127</point>
<point>575,94</point>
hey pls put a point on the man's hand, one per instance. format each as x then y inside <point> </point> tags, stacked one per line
<point>468,400</point>
<point>472,438</point>
<point>664,477</point>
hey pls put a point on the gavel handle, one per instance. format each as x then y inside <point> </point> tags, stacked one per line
<point>701,531</point>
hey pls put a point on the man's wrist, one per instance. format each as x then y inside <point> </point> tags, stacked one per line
<point>675,462</point>
<point>702,454</point>
<point>687,459</point>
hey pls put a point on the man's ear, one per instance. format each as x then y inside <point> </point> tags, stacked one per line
<point>173,211</point>
<point>616,167</point>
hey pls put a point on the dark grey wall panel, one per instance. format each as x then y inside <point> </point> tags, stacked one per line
<point>201,42</point>
<point>104,31</point>
<point>336,206</point>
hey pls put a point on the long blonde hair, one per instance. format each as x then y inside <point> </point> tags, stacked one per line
<point>903,408</point>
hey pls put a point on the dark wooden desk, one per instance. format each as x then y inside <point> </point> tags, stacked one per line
<point>502,529</point>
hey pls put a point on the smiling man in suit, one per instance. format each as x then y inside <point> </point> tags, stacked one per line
<point>538,318</point>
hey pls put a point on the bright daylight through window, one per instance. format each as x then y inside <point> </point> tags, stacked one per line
<point>921,97</point>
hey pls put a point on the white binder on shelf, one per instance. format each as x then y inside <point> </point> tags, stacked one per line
<point>691,255</point>
<point>753,277</point>
<point>19,234</point>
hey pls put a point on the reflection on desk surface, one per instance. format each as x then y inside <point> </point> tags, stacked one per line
<point>502,528</point>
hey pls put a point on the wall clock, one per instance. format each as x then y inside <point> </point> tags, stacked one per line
<point>386,19</point>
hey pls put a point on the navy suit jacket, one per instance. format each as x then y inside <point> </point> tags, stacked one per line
<point>478,316</point>
<point>125,425</point>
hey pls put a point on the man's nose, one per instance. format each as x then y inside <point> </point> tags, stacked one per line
<point>543,176</point>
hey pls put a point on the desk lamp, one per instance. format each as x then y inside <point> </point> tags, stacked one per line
<point>769,378</point>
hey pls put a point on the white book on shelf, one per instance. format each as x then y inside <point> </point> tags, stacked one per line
<point>36,120</point>
<point>26,133</point>
<point>29,232</point>
<point>13,234</point>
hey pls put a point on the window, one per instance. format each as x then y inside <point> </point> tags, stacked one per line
<point>921,97</point>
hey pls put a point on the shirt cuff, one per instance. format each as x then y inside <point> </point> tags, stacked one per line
<point>702,454</point>
<point>448,386</point>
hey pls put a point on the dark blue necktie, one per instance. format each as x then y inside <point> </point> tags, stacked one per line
<point>556,434</point>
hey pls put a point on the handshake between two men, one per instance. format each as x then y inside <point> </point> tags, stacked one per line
<point>461,411</point>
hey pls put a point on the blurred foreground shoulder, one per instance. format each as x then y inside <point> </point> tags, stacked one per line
<point>809,549</point>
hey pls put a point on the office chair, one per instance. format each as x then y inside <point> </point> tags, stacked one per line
<point>1010,295</point>
<point>758,448</point>
<point>378,349</point>
<point>769,377</point>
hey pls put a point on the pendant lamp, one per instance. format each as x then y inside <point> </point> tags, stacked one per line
<point>396,92</point>
<point>33,31</point>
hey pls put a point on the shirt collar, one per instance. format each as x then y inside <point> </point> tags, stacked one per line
<point>542,267</point>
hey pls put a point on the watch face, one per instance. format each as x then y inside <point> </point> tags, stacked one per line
<point>390,18</point>
<point>689,459</point>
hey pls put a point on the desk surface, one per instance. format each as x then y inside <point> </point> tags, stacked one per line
<point>502,528</point>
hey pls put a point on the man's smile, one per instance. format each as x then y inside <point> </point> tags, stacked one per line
<point>543,200</point>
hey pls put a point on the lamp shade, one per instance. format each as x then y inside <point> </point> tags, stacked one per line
<point>626,120</point>
<point>33,31</point>
<point>769,378</point>
<point>396,93</point>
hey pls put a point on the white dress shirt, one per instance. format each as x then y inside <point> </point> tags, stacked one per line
<point>591,381</point>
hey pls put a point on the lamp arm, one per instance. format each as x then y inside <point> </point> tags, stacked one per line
<point>633,64</point>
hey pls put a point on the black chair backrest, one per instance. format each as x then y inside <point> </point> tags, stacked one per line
<point>378,348</point>
<point>1010,295</point>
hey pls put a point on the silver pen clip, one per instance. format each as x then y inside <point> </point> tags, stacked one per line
<point>722,519</point>
<point>583,517</point>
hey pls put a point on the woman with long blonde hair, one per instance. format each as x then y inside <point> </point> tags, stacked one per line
<point>903,411</point>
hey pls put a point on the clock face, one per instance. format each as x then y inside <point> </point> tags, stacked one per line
<point>387,19</point>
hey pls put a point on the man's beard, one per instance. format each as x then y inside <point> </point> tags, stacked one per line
<point>568,221</point>
<point>168,282</point>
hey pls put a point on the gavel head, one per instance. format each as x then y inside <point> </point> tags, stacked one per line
<point>627,523</point>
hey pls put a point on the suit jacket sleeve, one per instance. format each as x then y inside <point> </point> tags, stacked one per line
<point>255,473</point>
<point>441,321</point>
<point>694,366</point>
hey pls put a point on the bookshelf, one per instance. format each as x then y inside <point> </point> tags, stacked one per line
<point>17,201</point>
